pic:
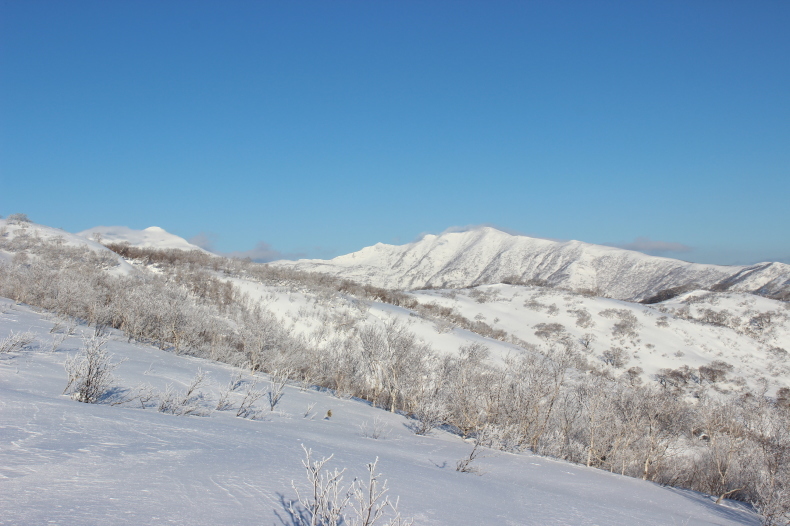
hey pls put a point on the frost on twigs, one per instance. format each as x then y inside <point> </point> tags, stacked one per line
<point>277,382</point>
<point>16,342</point>
<point>224,402</point>
<point>308,413</point>
<point>376,430</point>
<point>90,378</point>
<point>428,415</point>
<point>326,502</point>
<point>465,464</point>
<point>187,402</point>
<point>246,408</point>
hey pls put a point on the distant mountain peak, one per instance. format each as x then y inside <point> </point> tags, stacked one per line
<point>484,255</point>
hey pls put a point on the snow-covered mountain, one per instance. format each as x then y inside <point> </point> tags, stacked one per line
<point>693,329</point>
<point>699,347</point>
<point>487,255</point>
<point>151,237</point>
<point>26,237</point>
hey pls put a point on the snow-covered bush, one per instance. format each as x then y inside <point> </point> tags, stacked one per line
<point>89,373</point>
<point>187,402</point>
<point>428,415</point>
<point>327,502</point>
<point>17,219</point>
<point>247,406</point>
<point>616,357</point>
<point>376,430</point>
<point>277,381</point>
<point>16,341</point>
<point>466,464</point>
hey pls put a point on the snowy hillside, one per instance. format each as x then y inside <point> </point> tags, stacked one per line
<point>25,237</point>
<point>691,331</point>
<point>70,463</point>
<point>663,392</point>
<point>694,330</point>
<point>151,237</point>
<point>747,332</point>
<point>486,255</point>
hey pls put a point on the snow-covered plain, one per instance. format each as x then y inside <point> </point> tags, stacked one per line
<point>63,462</point>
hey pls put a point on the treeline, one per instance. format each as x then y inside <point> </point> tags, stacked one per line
<point>738,447</point>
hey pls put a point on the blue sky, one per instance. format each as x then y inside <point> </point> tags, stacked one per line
<point>318,128</point>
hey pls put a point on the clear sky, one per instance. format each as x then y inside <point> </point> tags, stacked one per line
<point>317,128</point>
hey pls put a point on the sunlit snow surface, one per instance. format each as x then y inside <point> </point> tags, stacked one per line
<point>518,310</point>
<point>62,462</point>
<point>151,237</point>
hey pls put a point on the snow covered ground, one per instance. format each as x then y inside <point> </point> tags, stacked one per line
<point>693,329</point>
<point>63,462</point>
<point>668,335</point>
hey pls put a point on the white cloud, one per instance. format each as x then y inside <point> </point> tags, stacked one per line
<point>263,252</point>
<point>205,240</point>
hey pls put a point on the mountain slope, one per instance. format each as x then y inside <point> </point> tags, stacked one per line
<point>151,237</point>
<point>28,238</point>
<point>486,255</point>
<point>64,462</point>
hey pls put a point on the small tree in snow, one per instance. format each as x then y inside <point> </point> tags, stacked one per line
<point>328,503</point>
<point>90,372</point>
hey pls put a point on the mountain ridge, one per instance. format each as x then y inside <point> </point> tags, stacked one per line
<point>486,255</point>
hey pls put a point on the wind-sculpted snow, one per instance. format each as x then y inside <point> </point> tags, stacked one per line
<point>487,255</point>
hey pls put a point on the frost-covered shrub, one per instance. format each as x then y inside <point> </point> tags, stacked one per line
<point>89,373</point>
<point>187,402</point>
<point>327,502</point>
<point>761,323</point>
<point>247,406</point>
<point>583,318</point>
<point>550,331</point>
<point>677,379</point>
<point>535,305</point>
<point>616,357</point>
<point>586,340</point>
<point>376,430</point>
<point>715,371</point>
<point>16,341</point>
<point>778,353</point>
<point>634,375</point>
<point>17,219</point>
<point>428,415</point>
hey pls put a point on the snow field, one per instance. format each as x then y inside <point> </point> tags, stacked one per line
<point>63,462</point>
